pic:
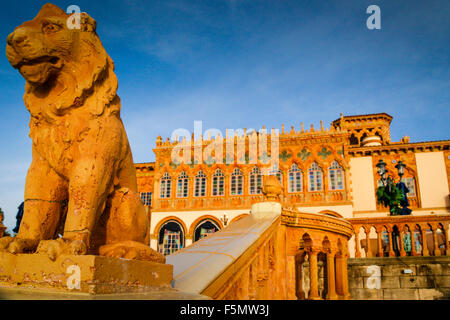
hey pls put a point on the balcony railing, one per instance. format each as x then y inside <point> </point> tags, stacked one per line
<point>401,236</point>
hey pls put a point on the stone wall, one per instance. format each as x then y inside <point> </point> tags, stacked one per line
<point>400,278</point>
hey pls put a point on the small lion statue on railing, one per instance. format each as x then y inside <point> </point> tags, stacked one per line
<point>81,191</point>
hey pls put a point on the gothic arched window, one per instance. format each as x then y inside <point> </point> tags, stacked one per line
<point>166,185</point>
<point>294,179</point>
<point>237,181</point>
<point>315,178</point>
<point>336,176</point>
<point>171,237</point>
<point>200,184</point>
<point>255,181</point>
<point>218,183</point>
<point>182,185</point>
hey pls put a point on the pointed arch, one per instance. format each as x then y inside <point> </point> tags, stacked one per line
<point>165,185</point>
<point>295,179</point>
<point>236,182</point>
<point>315,177</point>
<point>255,181</point>
<point>182,185</point>
<point>218,183</point>
<point>200,184</point>
<point>335,176</point>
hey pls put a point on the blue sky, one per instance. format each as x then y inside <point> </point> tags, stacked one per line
<point>249,63</point>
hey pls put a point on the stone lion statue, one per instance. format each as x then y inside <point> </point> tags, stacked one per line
<point>81,190</point>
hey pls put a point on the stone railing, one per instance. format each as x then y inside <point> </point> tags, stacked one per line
<point>317,252</point>
<point>401,236</point>
<point>269,254</point>
<point>238,262</point>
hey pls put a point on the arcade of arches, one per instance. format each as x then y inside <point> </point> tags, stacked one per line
<point>172,232</point>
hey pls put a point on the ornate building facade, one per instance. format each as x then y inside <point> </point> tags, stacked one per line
<point>325,170</point>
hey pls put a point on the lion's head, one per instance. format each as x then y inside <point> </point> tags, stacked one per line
<point>63,67</point>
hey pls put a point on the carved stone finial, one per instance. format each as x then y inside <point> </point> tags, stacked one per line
<point>271,188</point>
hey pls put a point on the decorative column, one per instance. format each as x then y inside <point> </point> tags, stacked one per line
<point>368,245</point>
<point>437,251</point>
<point>345,277</point>
<point>331,294</point>
<point>402,246</point>
<point>358,252</point>
<point>342,276</point>
<point>447,249</point>
<point>300,293</point>
<point>338,274</point>
<point>413,243</point>
<point>425,251</point>
<point>313,276</point>
<point>380,252</point>
<point>391,250</point>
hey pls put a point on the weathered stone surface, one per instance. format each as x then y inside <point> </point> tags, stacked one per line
<point>429,276</point>
<point>429,269</point>
<point>390,282</point>
<point>357,271</point>
<point>366,294</point>
<point>97,274</point>
<point>442,281</point>
<point>429,294</point>
<point>400,294</point>
<point>355,283</point>
<point>396,270</point>
<point>416,282</point>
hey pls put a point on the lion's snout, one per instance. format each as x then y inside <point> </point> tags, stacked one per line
<point>22,46</point>
<point>17,38</point>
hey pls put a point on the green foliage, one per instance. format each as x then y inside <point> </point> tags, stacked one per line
<point>390,196</point>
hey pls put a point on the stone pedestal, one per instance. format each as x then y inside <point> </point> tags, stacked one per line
<point>83,274</point>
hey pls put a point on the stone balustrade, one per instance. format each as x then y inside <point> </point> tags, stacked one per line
<point>401,236</point>
<point>317,255</point>
<point>269,254</point>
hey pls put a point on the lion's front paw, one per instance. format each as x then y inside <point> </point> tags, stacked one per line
<point>131,250</point>
<point>17,245</point>
<point>55,248</point>
<point>4,243</point>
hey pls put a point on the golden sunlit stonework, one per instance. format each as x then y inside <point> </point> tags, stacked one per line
<point>330,218</point>
<point>321,170</point>
<point>306,225</point>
